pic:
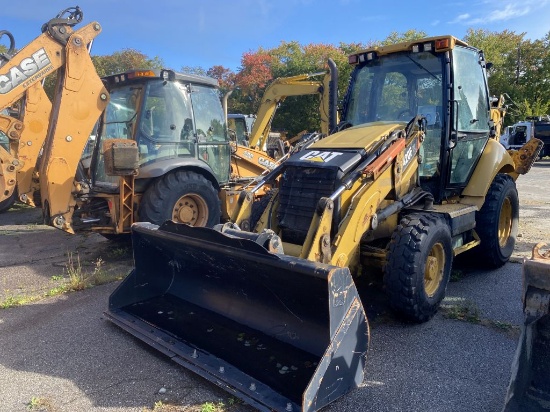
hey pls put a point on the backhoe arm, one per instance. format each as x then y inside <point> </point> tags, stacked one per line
<point>21,77</point>
<point>80,99</point>
<point>283,87</point>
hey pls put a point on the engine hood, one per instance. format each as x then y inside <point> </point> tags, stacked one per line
<point>343,150</point>
<point>360,137</point>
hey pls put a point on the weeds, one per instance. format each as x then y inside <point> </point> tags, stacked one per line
<point>466,311</point>
<point>12,301</point>
<point>456,275</point>
<point>219,406</point>
<point>212,407</point>
<point>505,326</point>
<point>75,279</point>
<point>118,252</point>
<point>39,404</point>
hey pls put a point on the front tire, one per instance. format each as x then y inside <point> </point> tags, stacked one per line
<point>497,222</point>
<point>418,266</point>
<point>183,197</point>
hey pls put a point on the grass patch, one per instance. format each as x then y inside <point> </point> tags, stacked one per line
<point>465,310</point>
<point>456,275</point>
<point>220,406</point>
<point>79,279</point>
<point>74,278</point>
<point>17,300</point>
<point>119,252</point>
<point>40,404</point>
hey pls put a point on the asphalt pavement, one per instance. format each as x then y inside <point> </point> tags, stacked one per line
<point>61,354</point>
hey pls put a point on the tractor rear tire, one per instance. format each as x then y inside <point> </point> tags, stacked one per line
<point>6,204</point>
<point>497,222</point>
<point>418,266</point>
<point>183,197</point>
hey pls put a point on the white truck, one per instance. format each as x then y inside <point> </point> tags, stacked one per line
<point>520,133</point>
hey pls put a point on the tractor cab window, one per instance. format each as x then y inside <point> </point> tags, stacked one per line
<point>119,122</point>
<point>166,127</point>
<point>238,125</point>
<point>211,130</point>
<point>471,114</point>
<point>396,88</point>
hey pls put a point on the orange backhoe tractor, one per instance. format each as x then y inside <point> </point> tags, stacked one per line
<point>142,145</point>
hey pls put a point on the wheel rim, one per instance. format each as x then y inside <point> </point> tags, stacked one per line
<point>505,222</point>
<point>433,272</point>
<point>191,209</point>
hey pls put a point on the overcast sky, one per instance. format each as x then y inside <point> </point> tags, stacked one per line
<point>217,32</point>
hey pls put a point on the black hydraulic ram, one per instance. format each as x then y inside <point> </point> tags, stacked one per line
<point>279,332</point>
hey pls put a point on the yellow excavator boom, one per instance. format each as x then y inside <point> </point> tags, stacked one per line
<point>299,85</point>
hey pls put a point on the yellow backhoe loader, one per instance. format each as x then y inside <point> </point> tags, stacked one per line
<point>410,177</point>
<point>529,389</point>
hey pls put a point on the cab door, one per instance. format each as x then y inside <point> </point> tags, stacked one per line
<point>471,115</point>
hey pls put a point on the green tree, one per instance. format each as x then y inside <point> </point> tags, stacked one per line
<point>118,62</point>
<point>521,69</point>
<point>395,37</point>
<point>124,60</point>
<point>298,113</point>
<point>193,70</point>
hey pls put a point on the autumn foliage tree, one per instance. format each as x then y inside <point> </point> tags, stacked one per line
<point>253,76</point>
<point>225,77</point>
<point>260,68</point>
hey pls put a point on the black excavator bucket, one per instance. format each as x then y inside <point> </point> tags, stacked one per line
<point>529,389</point>
<point>279,332</point>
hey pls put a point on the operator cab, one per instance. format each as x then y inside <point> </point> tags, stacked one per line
<point>170,116</point>
<point>390,86</point>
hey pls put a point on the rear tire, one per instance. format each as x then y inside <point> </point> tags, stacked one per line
<point>6,204</point>
<point>181,196</point>
<point>418,266</point>
<point>497,222</point>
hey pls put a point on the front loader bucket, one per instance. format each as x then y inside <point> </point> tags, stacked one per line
<point>279,332</point>
<point>529,388</point>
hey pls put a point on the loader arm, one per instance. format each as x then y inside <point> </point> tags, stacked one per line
<point>9,164</point>
<point>366,190</point>
<point>299,85</point>
<point>370,190</point>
